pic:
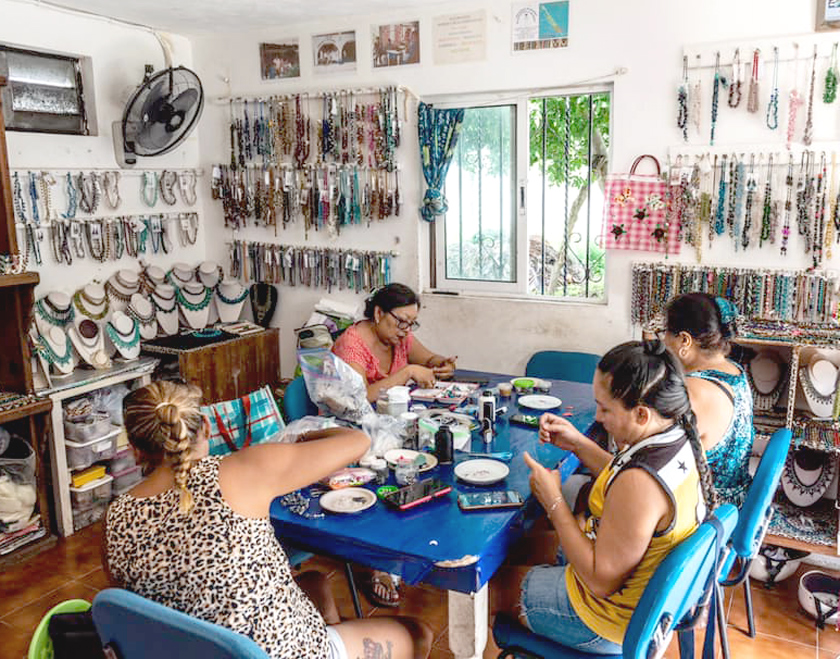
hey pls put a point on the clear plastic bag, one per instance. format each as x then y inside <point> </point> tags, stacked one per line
<point>334,386</point>
<point>110,400</point>
<point>305,424</point>
<point>385,432</point>
<point>17,483</point>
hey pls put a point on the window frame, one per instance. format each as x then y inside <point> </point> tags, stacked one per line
<point>518,289</point>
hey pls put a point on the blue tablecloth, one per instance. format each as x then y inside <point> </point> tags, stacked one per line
<point>473,544</point>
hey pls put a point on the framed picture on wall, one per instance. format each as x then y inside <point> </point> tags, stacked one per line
<point>828,15</point>
<point>396,44</point>
<point>334,52</point>
<point>280,60</point>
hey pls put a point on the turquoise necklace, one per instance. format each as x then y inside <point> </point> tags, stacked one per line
<point>124,343</point>
<point>46,350</point>
<point>58,317</point>
<point>194,306</point>
<point>234,300</point>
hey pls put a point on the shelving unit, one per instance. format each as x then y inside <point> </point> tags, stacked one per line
<point>78,384</point>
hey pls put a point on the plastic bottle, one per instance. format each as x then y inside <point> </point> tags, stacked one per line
<point>443,445</point>
<point>487,406</point>
<point>398,398</point>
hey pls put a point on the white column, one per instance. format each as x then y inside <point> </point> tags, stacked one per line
<point>468,620</point>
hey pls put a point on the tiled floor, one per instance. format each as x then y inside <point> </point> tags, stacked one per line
<point>72,569</point>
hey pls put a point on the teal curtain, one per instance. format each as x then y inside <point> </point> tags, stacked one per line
<point>438,131</point>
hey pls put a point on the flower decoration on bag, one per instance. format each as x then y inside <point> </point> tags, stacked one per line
<point>654,202</point>
<point>623,197</point>
<point>660,233</point>
<point>641,213</point>
<point>618,230</point>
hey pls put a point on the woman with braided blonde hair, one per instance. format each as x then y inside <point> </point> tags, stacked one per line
<point>195,534</point>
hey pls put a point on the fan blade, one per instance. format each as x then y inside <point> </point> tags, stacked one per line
<point>185,101</point>
<point>154,136</point>
<point>153,97</point>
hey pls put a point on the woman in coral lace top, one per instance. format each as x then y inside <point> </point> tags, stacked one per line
<point>383,348</point>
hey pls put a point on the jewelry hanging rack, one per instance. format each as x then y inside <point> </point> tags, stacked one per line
<point>199,171</point>
<point>702,56</point>
<point>323,93</point>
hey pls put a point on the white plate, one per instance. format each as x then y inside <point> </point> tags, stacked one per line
<point>481,471</point>
<point>396,455</point>
<point>540,402</point>
<point>348,500</point>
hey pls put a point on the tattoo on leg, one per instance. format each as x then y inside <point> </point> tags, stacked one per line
<point>374,650</point>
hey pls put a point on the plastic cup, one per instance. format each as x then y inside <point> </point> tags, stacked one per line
<point>505,389</point>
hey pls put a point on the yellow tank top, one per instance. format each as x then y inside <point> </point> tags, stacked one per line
<point>668,458</point>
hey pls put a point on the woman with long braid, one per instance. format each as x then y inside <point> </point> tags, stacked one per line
<point>195,534</point>
<point>645,501</point>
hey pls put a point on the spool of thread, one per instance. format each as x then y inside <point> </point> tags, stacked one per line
<point>443,445</point>
<point>487,406</point>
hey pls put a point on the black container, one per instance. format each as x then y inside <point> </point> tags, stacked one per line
<point>443,445</point>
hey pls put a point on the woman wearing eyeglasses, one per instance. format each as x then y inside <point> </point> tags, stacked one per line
<point>383,348</point>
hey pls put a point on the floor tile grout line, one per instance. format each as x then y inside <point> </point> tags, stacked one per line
<point>41,596</point>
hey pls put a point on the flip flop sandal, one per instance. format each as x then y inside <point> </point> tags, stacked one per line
<point>386,582</point>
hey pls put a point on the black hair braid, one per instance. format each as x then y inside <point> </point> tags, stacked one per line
<point>688,421</point>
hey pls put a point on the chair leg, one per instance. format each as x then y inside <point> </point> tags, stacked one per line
<point>720,614</point>
<point>351,581</point>
<point>685,638</point>
<point>748,603</point>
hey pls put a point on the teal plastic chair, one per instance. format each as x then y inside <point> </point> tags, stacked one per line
<point>558,365</point>
<point>755,517</point>
<point>296,401</point>
<point>672,601</point>
<point>137,628</point>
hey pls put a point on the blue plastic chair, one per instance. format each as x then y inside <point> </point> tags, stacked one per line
<point>296,401</point>
<point>558,365</point>
<point>137,628</point>
<point>754,519</point>
<point>669,603</point>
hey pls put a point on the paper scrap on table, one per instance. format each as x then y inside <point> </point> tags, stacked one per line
<point>469,559</point>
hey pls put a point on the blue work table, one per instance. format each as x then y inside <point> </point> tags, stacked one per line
<point>436,543</point>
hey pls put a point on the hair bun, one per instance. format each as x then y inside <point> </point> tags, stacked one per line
<point>654,347</point>
<point>168,413</point>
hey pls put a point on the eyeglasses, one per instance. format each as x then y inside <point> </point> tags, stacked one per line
<point>405,324</point>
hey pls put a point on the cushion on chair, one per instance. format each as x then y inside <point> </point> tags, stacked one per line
<point>558,365</point>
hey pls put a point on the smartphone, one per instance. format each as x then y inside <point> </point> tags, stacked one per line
<point>417,493</point>
<point>488,500</point>
<point>526,420</point>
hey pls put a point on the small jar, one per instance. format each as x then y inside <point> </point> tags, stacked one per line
<point>380,468</point>
<point>406,472</point>
<point>398,398</point>
<point>382,402</point>
<point>411,429</point>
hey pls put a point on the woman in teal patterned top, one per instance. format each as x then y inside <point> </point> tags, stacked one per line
<point>698,330</point>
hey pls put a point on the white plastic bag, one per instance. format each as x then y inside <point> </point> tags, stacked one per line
<point>295,429</point>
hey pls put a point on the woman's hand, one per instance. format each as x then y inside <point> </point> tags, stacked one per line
<point>556,430</point>
<point>545,483</point>
<point>424,377</point>
<point>443,367</point>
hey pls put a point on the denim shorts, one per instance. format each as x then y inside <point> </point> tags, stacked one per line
<point>546,608</point>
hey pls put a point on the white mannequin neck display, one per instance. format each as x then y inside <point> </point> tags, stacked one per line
<point>819,382</point>
<point>230,298</point>
<point>91,302</point>
<point>142,311</point>
<point>181,274</point>
<point>55,309</point>
<point>89,341</point>
<point>210,273</point>
<point>194,301</point>
<point>166,308</point>
<point>58,351</point>
<point>120,287</point>
<point>151,277</point>
<point>124,335</point>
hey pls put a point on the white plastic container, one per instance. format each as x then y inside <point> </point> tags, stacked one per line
<point>88,427</point>
<point>86,516</point>
<point>83,454</point>
<point>127,479</point>
<point>398,398</point>
<point>123,460</point>
<point>98,491</point>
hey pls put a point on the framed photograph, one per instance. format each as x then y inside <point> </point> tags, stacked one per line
<point>280,60</point>
<point>828,15</point>
<point>396,44</point>
<point>539,25</point>
<point>334,52</point>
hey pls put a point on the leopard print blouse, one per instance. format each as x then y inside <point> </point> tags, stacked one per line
<point>213,564</point>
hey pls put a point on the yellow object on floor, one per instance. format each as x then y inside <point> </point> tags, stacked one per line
<point>88,475</point>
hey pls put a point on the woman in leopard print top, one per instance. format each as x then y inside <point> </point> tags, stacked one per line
<point>195,535</point>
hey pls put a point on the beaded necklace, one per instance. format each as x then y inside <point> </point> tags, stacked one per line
<point>246,132</point>
<point>149,189</point>
<point>752,184</point>
<point>88,192</point>
<point>188,229</point>
<point>96,244</point>
<point>788,206</point>
<point>819,219</point>
<point>772,118</point>
<point>795,101</point>
<point>752,91</point>
<point>231,300</point>
<point>167,182</point>
<point>735,84</point>
<point>808,135</point>
<point>197,305</point>
<point>186,185</point>
<point>52,314</point>
<point>111,183</point>
<point>136,315</point>
<point>831,227</point>
<point>33,196</point>
<point>162,303</point>
<point>766,210</point>
<point>124,342</point>
<point>718,80</point>
<point>46,181</point>
<point>71,197</point>
<point>49,353</point>
<point>78,300</point>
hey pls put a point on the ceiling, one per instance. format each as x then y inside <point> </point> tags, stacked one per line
<point>203,17</point>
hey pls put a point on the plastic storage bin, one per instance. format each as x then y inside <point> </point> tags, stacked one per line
<point>122,461</point>
<point>83,517</point>
<point>127,479</point>
<point>98,491</point>
<point>84,454</point>
<point>88,427</point>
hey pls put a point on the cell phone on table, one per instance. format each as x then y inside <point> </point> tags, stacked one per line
<point>417,493</point>
<point>490,500</point>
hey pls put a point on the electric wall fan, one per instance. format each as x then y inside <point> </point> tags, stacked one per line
<point>160,113</point>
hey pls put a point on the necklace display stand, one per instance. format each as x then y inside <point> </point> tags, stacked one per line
<point>91,302</point>
<point>124,335</point>
<point>142,311</point>
<point>89,341</point>
<point>181,274</point>
<point>166,308</point>
<point>53,310</point>
<point>151,277</point>
<point>57,351</point>
<point>767,374</point>
<point>120,287</point>
<point>819,382</point>
<point>194,301</point>
<point>210,274</point>
<point>230,298</point>
<point>263,303</point>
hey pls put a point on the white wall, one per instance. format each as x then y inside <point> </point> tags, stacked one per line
<point>118,54</point>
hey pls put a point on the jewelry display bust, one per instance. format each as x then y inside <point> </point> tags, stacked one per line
<point>819,381</point>
<point>124,335</point>
<point>767,373</point>
<point>56,350</point>
<point>263,303</point>
<point>150,277</point>
<point>120,287</point>
<point>166,308</point>
<point>53,310</point>
<point>91,302</point>
<point>210,274</point>
<point>230,298</point>
<point>194,301</point>
<point>89,341</point>
<point>181,274</point>
<point>142,311</point>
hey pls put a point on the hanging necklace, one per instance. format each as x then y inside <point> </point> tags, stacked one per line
<point>819,219</point>
<point>78,298</point>
<point>788,205</point>
<point>735,84</point>
<point>773,106</point>
<point>808,135</point>
<point>111,183</point>
<point>149,189</point>
<point>88,192</point>
<point>715,96</point>
<point>752,184</point>
<point>795,100</point>
<point>752,91</point>
<point>167,182</point>
<point>231,300</point>
<point>71,197</point>
<point>188,229</point>
<point>830,90</point>
<point>53,315</point>
<point>186,185</point>
<point>766,209</point>
<point>49,353</point>
<point>124,342</point>
<point>199,304</point>
<point>682,101</point>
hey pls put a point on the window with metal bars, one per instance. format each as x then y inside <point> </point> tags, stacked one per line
<point>525,197</point>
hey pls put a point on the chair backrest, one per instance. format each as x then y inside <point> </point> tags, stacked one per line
<point>755,513</point>
<point>677,585</point>
<point>573,366</point>
<point>296,401</point>
<point>138,628</point>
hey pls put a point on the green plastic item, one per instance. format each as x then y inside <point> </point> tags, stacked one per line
<point>385,490</point>
<point>41,647</point>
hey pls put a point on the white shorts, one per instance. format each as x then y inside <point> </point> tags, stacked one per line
<point>336,643</point>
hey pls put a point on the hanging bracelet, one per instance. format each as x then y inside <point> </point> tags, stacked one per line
<point>554,504</point>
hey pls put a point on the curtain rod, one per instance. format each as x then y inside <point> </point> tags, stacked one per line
<point>361,91</point>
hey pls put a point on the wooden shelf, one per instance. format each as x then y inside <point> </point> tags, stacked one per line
<point>36,406</point>
<point>791,543</point>
<point>23,279</point>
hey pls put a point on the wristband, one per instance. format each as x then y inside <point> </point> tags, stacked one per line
<point>554,504</point>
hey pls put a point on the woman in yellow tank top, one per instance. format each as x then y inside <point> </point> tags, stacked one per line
<point>645,500</point>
